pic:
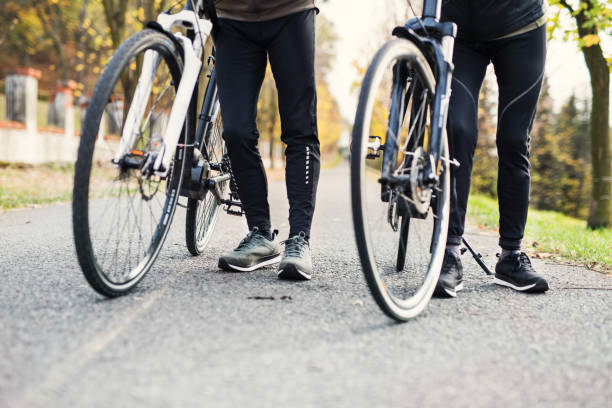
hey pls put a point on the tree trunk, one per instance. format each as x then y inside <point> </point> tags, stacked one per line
<point>600,213</point>
<point>601,205</point>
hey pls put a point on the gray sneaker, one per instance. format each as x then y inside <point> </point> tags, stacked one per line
<point>253,252</point>
<point>296,263</point>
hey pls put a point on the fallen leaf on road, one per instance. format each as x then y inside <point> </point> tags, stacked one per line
<point>261,297</point>
<point>543,255</point>
<point>591,265</point>
<point>285,297</point>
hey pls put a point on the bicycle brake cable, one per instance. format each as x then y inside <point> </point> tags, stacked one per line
<point>417,17</point>
<point>197,20</point>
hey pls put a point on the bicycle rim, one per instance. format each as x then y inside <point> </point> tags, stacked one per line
<point>122,211</point>
<point>400,232</point>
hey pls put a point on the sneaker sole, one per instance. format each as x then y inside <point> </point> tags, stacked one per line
<point>446,292</point>
<point>537,287</point>
<point>293,273</point>
<point>223,264</point>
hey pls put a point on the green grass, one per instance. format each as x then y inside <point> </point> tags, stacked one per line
<point>23,185</point>
<point>10,199</point>
<point>552,234</point>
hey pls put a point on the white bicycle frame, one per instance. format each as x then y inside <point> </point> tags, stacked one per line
<point>191,71</point>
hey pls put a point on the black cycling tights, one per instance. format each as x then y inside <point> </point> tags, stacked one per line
<point>242,52</point>
<point>519,68</point>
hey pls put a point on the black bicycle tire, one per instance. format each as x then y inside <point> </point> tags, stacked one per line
<point>194,246</point>
<point>391,50</point>
<point>145,39</point>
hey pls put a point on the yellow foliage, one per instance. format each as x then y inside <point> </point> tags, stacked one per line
<point>591,39</point>
<point>330,123</point>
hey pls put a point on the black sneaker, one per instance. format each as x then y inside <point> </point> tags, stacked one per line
<point>515,271</point>
<point>451,276</point>
<point>254,251</point>
<point>296,263</point>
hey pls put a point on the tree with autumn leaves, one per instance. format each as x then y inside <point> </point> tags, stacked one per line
<point>69,39</point>
<point>593,19</point>
<point>74,39</point>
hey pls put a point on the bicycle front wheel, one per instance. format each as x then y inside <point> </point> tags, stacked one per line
<point>400,226</point>
<point>122,208</point>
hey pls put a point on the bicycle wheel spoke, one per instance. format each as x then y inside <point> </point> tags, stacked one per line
<point>397,232</point>
<point>129,206</point>
<point>202,214</point>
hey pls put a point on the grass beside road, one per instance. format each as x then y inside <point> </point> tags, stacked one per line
<point>24,185</point>
<point>551,234</point>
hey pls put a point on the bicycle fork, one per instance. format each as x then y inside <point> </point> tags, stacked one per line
<point>191,72</point>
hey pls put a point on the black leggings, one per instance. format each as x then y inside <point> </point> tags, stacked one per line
<point>519,68</point>
<point>242,50</point>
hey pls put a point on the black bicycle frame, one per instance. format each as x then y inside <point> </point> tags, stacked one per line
<point>431,9</point>
<point>430,35</point>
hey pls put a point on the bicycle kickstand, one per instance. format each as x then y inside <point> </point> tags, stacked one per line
<point>477,257</point>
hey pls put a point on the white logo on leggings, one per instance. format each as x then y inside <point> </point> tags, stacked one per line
<point>307,163</point>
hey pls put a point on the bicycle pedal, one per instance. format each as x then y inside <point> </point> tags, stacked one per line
<point>233,212</point>
<point>374,143</point>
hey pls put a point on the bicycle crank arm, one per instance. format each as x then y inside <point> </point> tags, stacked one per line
<point>213,185</point>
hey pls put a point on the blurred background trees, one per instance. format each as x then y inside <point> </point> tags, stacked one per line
<point>74,39</point>
<point>560,153</point>
<point>570,150</point>
<point>570,146</point>
<point>593,19</point>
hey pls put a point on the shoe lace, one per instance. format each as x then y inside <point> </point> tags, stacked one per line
<point>524,261</point>
<point>248,241</point>
<point>295,245</point>
<point>521,261</point>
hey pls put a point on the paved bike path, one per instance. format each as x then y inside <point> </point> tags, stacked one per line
<point>190,336</point>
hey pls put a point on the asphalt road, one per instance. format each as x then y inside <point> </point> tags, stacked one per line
<point>190,336</point>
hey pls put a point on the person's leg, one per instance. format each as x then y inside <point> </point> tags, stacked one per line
<point>462,127</point>
<point>241,65</point>
<point>291,52</point>
<point>519,67</point>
